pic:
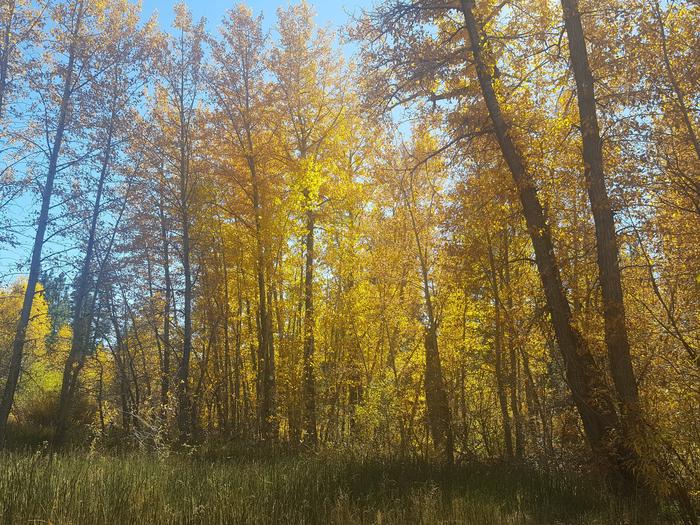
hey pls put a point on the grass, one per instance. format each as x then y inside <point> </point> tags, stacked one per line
<point>81,488</point>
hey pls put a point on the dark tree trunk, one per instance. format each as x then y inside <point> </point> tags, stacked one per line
<point>439,418</point>
<point>309,322</point>
<point>266,350</point>
<point>606,239</point>
<point>183,370</point>
<point>588,389</point>
<point>498,354</point>
<point>513,381</point>
<point>647,471</point>
<point>15,365</point>
<point>167,300</point>
<point>184,403</point>
<point>437,404</point>
<point>82,320</point>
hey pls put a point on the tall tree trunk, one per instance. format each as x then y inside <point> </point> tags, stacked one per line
<point>437,404</point>
<point>183,370</point>
<point>167,299</point>
<point>184,405</point>
<point>81,319</point>
<point>588,389</point>
<point>646,469</point>
<point>498,353</point>
<point>512,354</point>
<point>15,365</point>
<point>266,349</point>
<point>436,400</point>
<point>227,337</point>
<point>309,322</point>
<point>616,338</point>
<point>6,53</point>
<point>239,385</point>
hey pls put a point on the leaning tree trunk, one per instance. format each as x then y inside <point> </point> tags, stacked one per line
<point>616,338</point>
<point>589,391</point>
<point>646,469</point>
<point>35,265</point>
<point>89,309</point>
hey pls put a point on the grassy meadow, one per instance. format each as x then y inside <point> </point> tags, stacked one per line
<point>84,488</point>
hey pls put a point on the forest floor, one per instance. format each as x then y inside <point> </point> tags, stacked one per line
<point>85,488</point>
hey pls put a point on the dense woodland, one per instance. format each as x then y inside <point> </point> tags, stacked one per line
<point>473,237</point>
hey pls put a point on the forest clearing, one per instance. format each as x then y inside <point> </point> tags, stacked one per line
<point>381,261</point>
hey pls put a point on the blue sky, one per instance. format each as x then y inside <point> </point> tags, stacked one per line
<point>331,12</point>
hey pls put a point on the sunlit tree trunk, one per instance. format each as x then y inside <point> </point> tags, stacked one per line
<point>227,337</point>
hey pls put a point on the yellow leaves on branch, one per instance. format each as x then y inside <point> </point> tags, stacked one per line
<point>309,182</point>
